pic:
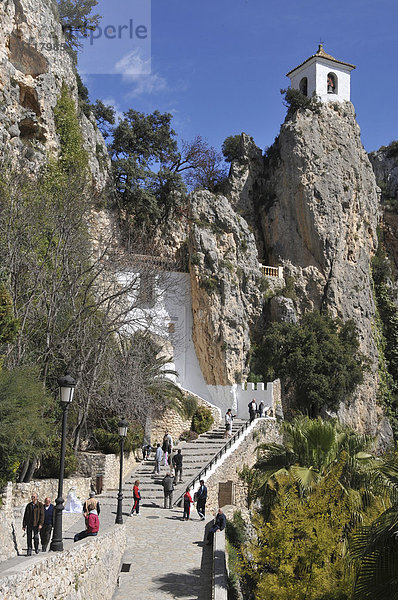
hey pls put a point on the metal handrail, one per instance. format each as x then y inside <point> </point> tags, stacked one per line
<point>215,458</point>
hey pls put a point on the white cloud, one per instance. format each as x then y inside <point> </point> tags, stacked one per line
<point>112,102</point>
<point>137,70</point>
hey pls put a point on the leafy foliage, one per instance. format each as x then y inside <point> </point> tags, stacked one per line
<point>231,148</point>
<point>318,359</point>
<point>296,100</point>
<point>299,552</point>
<point>388,344</point>
<point>8,323</point>
<point>49,462</point>
<point>202,420</point>
<point>143,149</point>
<point>76,17</point>
<point>25,419</point>
<point>108,439</point>
<point>374,552</point>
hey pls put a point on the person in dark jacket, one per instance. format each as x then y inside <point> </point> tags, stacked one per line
<point>177,464</point>
<point>92,522</point>
<point>33,520</point>
<point>168,488</point>
<point>201,497</point>
<point>91,496</point>
<point>45,532</point>
<point>219,524</point>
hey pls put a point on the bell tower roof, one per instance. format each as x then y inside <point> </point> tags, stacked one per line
<point>321,54</point>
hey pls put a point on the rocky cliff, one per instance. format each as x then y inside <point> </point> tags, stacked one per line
<point>312,206</point>
<point>34,63</point>
<point>385,166</point>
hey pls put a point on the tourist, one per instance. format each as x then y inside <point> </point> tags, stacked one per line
<point>45,532</point>
<point>91,497</point>
<point>219,524</point>
<point>252,410</point>
<point>228,423</point>
<point>168,488</point>
<point>92,522</point>
<point>187,504</point>
<point>158,459</point>
<point>261,409</point>
<point>167,447</point>
<point>136,498</point>
<point>32,523</point>
<point>201,497</point>
<point>177,464</point>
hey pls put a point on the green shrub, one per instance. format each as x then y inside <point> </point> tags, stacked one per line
<point>188,406</point>
<point>108,439</point>
<point>295,100</point>
<point>188,436</point>
<point>49,463</point>
<point>236,530</point>
<point>202,420</point>
<point>231,148</point>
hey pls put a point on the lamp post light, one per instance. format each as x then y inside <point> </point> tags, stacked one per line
<point>123,425</point>
<point>66,390</point>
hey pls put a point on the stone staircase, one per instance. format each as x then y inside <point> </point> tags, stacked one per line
<point>196,455</point>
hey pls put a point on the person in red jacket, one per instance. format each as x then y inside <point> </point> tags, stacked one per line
<point>136,498</point>
<point>92,522</point>
<point>187,504</point>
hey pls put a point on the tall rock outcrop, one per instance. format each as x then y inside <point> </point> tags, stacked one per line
<point>319,215</point>
<point>385,165</point>
<point>225,280</point>
<point>33,66</point>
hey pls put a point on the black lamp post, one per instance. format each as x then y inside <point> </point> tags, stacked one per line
<point>122,432</point>
<point>66,390</point>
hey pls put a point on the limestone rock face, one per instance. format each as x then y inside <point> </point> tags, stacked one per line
<point>319,215</point>
<point>33,66</point>
<point>225,280</point>
<point>385,166</point>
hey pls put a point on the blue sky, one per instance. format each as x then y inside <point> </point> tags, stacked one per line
<point>218,65</point>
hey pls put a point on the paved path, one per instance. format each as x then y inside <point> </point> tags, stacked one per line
<point>168,557</point>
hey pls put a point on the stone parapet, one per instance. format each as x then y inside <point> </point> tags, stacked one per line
<point>18,494</point>
<point>175,424</point>
<point>92,464</point>
<point>88,571</point>
<point>264,430</point>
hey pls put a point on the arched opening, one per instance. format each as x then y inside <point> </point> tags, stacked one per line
<point>303,86</point>
<point>332,83</point>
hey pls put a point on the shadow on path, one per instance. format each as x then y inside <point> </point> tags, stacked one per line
<point>196,584</point>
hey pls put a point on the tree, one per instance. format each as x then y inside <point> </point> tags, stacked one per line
<point>318,360</point>
<point>8,324</point>
<point>26,420</point>
<point>76,18</point>
<point>104,115</point>
<point>299,551</point>
<point>231,148</point>
<point>374,548</point>
<point>310,449</point>
<point>202,166</point>
<point>143,151</point>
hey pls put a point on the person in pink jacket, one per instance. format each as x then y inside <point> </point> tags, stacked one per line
<point>92,522</point>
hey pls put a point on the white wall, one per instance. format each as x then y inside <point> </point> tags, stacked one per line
<point>316,70</point>
<point>171,318</point>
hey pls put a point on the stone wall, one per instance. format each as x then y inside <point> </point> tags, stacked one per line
<point>174,423</point>
<point>7,545</point>
<point>265,430</point>
<point>18,494</point>
<point>88,571</point>
<point>91,464</point>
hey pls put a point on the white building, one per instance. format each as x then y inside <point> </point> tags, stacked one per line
<point>324,76</point>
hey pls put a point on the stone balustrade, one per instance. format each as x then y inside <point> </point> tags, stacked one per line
<point>88,571</point>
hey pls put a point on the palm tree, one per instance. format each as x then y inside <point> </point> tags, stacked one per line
<point>374,548</point>
<point>310,448</point>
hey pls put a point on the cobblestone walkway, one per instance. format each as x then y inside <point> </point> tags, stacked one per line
<point>167,556</point>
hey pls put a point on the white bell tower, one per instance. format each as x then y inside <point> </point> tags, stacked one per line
<point>323,75</point>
